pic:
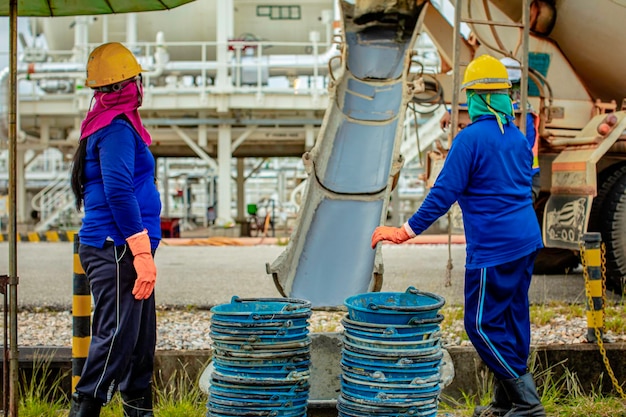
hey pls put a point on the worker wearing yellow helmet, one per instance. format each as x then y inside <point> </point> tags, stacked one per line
<point>514,74</point>
<point>113,180</point>
<point>488,171</point>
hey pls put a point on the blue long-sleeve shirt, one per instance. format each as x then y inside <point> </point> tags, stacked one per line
<point>120,193</point>
<point>492,183</point>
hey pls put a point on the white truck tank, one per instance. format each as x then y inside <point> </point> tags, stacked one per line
<point>588,33</point>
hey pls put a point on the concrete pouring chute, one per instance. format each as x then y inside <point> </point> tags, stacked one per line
<point>352,165</point>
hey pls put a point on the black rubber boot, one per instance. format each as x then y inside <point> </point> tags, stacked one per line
<point>138,403</point>
<point>499,406</point>
<point>84,406</point>
<point>523,394</point>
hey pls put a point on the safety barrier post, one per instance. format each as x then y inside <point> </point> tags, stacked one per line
<point>81,317</point>
<point>594,285</point>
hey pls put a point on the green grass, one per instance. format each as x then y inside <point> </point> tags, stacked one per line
<point>561,396</point>
<point>40,392</point>
<point>180,396</point>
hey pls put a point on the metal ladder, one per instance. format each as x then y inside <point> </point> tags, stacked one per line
<point>457,65</point>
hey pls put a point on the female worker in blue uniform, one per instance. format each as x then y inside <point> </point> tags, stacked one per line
<point>113,178</point>
<point>487,173</point>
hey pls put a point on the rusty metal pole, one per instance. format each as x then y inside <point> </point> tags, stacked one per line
<point>13,280</point>
<point>524,79</point>
<point>4,282</point>
<point>456,75</point>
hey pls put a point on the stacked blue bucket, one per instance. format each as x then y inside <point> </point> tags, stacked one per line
<point>261,358</point>
<point>391,357</point>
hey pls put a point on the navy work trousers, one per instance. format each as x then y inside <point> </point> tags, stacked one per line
<point>123,330</point>
<point>497,316</point>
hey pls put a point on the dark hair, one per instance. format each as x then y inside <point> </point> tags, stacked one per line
<point>78,174</point>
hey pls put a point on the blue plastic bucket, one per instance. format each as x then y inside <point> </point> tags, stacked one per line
<point>257,339</point>
<point>243,362</point>
<point>392,345</point>
<point>298,321</point>
<point>393,332</point>
<point>255,310</point>
<point>264,372</point>
<point>247,386</point>
<point>392,360</point>
<point>358,409</point>
<point>294,393</point>
<point>394,376</point>
<point>382,397</point>
<point>252,354</point>
<point>384,352</point>
<point>261,358</point>
<point>263,347</point>
<point>260,330</point>
<point>267,378</point>
<point>394,307</point>
<point>373,366</point>
<point>272,402</point>
<point>219,410</point>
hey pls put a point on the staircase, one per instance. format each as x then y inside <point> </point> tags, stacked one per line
<point>55,204</point>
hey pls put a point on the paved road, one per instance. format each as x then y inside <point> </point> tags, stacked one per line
<point>203,276</point>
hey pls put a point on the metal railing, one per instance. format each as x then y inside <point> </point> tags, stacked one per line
<point>250,66</point>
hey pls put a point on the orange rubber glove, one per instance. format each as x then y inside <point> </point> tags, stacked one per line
<point>139,245</point>
<point>392,234</point>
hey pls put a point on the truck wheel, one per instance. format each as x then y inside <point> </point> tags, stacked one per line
<point>613,230</point>
<point>606,180</point>
<point>552,261</point>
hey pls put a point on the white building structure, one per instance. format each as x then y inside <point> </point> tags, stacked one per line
<point>231,85</point>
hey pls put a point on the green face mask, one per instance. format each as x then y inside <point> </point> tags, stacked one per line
<point>496,104</point>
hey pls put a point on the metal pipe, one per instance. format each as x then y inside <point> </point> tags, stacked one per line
<point>230,121</point>
<point>456,76</point>
<point>524,80</point>
<point>13,279</point>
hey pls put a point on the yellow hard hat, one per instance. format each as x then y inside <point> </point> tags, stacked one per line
<point>109,64</point>
<point>486,73</point>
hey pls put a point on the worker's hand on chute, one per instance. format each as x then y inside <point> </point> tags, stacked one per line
<point>139,245</point>
<point>392,234</point>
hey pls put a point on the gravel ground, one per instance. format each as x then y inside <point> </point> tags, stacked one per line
<point>189,330</point>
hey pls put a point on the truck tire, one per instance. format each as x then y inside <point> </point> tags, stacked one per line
<point>612,225</point>
<point>552,261</point>
<point>606,180</point>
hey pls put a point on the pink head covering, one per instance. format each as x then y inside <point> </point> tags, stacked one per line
<point>108,106</point>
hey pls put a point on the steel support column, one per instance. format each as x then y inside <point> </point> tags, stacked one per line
<point>224,156</point>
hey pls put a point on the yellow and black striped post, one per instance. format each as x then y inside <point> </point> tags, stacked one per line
<point>81,318</point>
<point>594,284</point>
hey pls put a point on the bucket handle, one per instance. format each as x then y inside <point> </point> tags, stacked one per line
<point>411,290</point>
<point>430,320</point>
<point>298,303</point>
